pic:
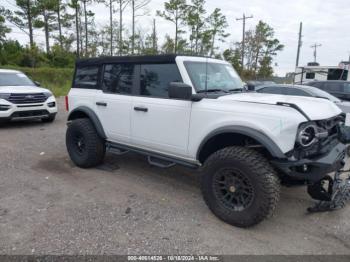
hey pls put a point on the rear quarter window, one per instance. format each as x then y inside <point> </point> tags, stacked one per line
<point>86,77</point>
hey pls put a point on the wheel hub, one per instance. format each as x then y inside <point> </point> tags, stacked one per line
<point>233,189</point>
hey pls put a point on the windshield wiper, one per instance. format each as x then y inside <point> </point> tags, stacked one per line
<point>235,89</point>
<point>212,90</point>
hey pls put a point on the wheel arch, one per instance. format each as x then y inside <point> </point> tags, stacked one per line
<point>236,135</point>
<point>86,112</point>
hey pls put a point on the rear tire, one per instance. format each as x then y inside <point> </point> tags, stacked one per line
<point>239,186</point>
<point>85,147</point>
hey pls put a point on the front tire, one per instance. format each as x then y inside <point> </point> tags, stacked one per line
<point>239,186</point>
<point>85,147</point>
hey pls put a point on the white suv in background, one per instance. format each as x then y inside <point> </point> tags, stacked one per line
<point>22,99</point>
<point>186,110</point>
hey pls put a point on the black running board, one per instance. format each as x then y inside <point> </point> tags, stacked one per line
<point>154,158</point>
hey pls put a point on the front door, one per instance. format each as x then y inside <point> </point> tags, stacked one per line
<point>158,123</point>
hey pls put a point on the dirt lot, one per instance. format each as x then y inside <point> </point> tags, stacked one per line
<point>49,206</point>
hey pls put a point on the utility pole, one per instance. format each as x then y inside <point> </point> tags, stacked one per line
<point>244,18</point>
<point>299,44</point>
<point>315,50</point>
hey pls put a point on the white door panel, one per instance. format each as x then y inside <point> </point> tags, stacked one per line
<point>165,125</point>
<point>115,116</point>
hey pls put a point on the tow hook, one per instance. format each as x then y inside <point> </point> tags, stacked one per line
<point>332,193</point>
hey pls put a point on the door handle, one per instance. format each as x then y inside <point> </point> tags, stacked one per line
<point>101,103</point>
<point>142,109</point>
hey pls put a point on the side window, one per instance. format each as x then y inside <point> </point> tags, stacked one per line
<point>347,87</point>
<point>310,75</point>
<point>118,78</point>
<point>86,77</point>
<point>297,92</point>
<point>155,79</point>
<point>333,87</point>
<point>272,90</point>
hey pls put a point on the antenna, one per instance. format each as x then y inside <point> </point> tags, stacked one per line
<point>206,76</point>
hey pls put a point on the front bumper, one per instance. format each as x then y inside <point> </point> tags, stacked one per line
<point>315,168</point>
<point>27,111</point>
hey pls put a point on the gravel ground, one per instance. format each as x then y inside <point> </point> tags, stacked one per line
<point>49,206</point>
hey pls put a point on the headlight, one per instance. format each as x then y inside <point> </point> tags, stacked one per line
<point>308,134</point>
<point>47,94</point>
<point>4,96</point>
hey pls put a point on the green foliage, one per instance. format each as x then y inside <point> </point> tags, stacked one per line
<point>3,28</point>
<point>175,11</point>
<point>196,21</point>
<point>58,80</point>
<point>234,58</point>
<point>218,23</point>
<point>260,48</point>
<point>71,32</point>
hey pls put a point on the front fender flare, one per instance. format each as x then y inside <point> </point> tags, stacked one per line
<point>84,110</point>
<point>259,136</point>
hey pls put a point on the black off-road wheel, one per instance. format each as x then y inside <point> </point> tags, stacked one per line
<point>239,186</point>
<point>85,147</point>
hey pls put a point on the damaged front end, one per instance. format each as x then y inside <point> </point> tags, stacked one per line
<point>320,149</point>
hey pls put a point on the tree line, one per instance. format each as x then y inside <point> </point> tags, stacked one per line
<point>71,31</point>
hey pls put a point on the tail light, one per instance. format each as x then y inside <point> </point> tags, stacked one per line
<point>67,104</point>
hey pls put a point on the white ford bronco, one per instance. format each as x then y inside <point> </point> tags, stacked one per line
<point>186,110</point>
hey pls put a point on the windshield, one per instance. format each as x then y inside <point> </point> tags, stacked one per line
<point>15,79</point>
<point>320,93</point>
<point>220,77</point>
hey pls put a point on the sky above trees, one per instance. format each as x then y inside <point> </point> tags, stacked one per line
<point>324,22</point>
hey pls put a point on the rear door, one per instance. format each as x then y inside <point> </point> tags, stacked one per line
<point>159,123</point>
<point>114,101</point>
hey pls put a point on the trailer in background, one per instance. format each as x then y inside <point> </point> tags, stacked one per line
<point>304,74</point>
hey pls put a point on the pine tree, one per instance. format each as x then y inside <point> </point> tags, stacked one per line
<point>46,19</point>
<point>23,18</point>
<point>218,23</point>
<point>196,22</point>
<point>175,12</point>
<point>3,28</point>
<point>136,5</point>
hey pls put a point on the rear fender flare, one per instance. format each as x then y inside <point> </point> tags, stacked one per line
<point>84,111</point>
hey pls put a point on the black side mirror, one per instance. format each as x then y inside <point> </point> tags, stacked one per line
<point>179,90</point>
<point>37,83</point>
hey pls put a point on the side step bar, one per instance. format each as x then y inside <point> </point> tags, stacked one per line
<point>160,162</point>
<point>153,158</point>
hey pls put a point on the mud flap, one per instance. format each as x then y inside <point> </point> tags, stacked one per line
<point>331,193</point>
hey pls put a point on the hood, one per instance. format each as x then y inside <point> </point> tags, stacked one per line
<point>314,108</point>
<point>22,89</point>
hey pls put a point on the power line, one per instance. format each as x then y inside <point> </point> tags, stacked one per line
<point>244,18</point>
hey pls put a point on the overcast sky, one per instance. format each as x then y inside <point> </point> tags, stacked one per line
<point>325,22</point>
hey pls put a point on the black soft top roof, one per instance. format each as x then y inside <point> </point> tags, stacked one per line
<point>127,59</point>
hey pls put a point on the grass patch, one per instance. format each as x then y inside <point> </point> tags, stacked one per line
<point>58,80</point>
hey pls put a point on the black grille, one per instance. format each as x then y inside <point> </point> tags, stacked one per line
<point>27,98</point>
<point>30,113</point>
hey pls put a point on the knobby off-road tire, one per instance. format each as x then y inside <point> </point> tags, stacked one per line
<point>249,183</point>
<point>85,147</point>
